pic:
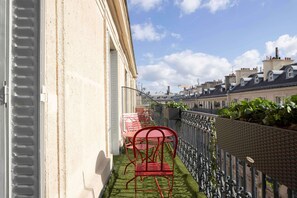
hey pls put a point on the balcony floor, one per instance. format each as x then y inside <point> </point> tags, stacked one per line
<point>184,184</point>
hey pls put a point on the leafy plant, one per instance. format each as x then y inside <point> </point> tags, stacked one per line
<point>263,111</point>
<point>179,105</point>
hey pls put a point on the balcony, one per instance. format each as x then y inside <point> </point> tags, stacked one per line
<point>204,166</point>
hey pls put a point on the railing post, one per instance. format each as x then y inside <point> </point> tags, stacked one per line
<point>225,164</point>
<point>263,185</point>
<point>275,189</point>
<point>254,190</point>
<point>237,176</point>
<point>244,176</point>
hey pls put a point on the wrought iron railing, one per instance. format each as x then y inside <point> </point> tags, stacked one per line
<point>218,173</point>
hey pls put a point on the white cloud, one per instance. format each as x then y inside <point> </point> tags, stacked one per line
<point>188,6</point>
<point>198,64</point>
<point>175,35</point>
<point>149,57</point>
<point>183,68</point>
<point>160,71</point>
<point>173,45</point>
<point>286,44</point>
<point>249,59</point>
<point>215,5</point>
<point>147,32</point>
<point>146,4</point>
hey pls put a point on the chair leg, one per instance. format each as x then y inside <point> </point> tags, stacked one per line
<point>171,186</point>
<point>129,182</point>
<point>132,162</point>
<point>159,188</point>
<point>135,186</point>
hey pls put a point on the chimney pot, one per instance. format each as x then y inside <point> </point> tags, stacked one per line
<point>276,53</point>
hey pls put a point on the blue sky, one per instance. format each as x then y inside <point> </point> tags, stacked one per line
<point>177,42</point>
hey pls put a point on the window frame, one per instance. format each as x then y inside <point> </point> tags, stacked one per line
<point>270,76</point>
<point>290,73</point>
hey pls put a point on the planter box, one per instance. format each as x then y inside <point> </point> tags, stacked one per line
<point>274,150</point>
<point>158,108</point>
<point>172,113</point>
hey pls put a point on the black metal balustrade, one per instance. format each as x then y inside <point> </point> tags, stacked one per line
<point>219,173</point>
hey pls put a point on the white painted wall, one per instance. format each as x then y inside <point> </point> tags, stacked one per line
<point>77,113</point>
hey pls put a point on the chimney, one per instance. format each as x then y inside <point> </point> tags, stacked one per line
<point>168,90</point>
<point>276,53</point>
<point>227,82</point>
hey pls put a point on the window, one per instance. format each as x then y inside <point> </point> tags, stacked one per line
<point>256,79</point>
<point>242,82</point>
<point>270,76</point>
<point>290,73</point>
<point>217,104</point>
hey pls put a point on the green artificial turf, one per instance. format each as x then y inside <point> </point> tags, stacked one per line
<point>184,184</point>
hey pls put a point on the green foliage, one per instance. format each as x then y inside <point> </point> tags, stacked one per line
<point>154,104</point>
<point>179,105</point>
<point>263,111</point>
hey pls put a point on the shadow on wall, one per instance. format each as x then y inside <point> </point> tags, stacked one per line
<point>86,187</point>
<point>102,166</point>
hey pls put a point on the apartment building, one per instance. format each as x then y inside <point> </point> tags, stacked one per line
<point>277,81</point>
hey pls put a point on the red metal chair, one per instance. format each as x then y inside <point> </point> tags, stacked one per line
<point>157,163</point>
<point>130,126</point>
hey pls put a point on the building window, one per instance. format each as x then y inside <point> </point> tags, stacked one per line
<point>242,83</point>
<point>217,104</point>
<point>290,73</point>
<point>270,76</point>
<point>256,79</point>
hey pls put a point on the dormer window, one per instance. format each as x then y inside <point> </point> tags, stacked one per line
<point>210,90</point>
<point>290,73</point>
<point>242,83</point>
<point>270,76</point>
<point>257,79</point>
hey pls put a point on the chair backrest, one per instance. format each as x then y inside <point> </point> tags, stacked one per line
<point>158,151</point>
<point>132,125</point>
<point>128,117</point>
